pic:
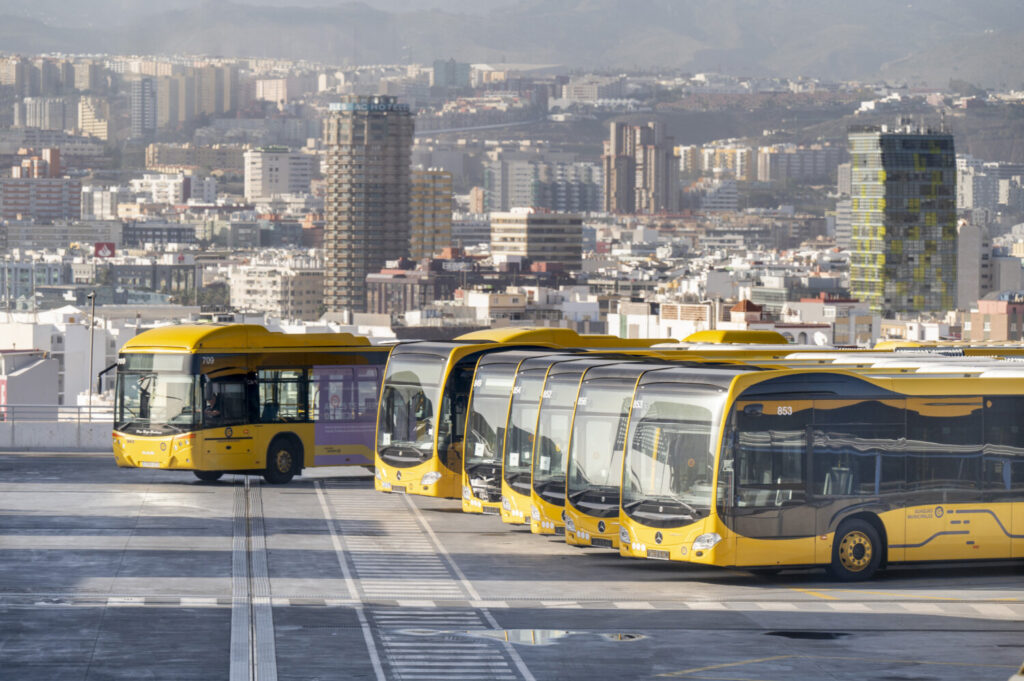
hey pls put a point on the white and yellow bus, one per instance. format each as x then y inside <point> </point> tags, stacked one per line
<point>551,443</point>
<point>794,467</point>
<point>489,403</point>
<point>594,467</point>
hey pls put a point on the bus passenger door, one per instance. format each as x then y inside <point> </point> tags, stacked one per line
<point>771,491</point>
<point>228,437</point>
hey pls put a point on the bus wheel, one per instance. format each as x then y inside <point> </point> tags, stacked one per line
<point>208,476</point>
<point>282,461</point>
<point>856,551</point>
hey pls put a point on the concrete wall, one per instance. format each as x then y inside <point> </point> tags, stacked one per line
<point>54,436</point>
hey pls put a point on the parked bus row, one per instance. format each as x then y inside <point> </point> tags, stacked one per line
<point>755,454</point>
<point>740,457</point>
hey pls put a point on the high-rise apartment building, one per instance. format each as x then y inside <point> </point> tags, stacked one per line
<point>88,76</point>
<point>369,150</point>
<point>430,213</point>
<point>552,181</point>
<point>641,169</point>
<point>94,117</point>
<point>903,219</point>
<point>45,113</point>
<point>143,102</point>
<point>277,170</point>
<point>789,162</point>
<point>175,101</point>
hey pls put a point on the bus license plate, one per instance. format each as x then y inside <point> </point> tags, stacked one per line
<point>398,489</point>
<point>597,541</point>
<point>657,555</point>
<point>491,510</point>
<point>559,531</point>
<point>150,464</point>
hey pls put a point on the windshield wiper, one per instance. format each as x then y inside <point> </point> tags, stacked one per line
<point>674,500</point>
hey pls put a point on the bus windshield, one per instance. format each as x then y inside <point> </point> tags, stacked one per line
<point>522,421</point>
<point>156,402</point>
<point>485,431</point>
<point>559,398</point>
<point>598,437</point>
<point>405,432</point>
<point>670,451</point>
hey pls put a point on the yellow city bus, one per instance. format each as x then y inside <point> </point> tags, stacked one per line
<point>594,463</point>
<point>422,413</point>
<point>238,398</point>
<point>520,439</point>
<point>792,468</point>
<point>551,442</point>
<point>485,428</point>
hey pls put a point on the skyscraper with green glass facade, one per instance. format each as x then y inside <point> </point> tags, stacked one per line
<point>903,242</point>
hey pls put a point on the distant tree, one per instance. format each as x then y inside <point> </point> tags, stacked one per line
<point>965,89</point>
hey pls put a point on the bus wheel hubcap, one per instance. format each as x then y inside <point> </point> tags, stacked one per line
<point>284,461</point>
<point>855,551</point>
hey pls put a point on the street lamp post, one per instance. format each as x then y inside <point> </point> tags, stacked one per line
<point>92,323</point>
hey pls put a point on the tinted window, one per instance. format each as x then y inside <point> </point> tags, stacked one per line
<point>771,444</point>
<point>1003,467</point>
<point>944,443</point>
<point>857,448</point>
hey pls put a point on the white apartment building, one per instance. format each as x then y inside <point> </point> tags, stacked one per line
<point>160,188</point>
<point>99,203</point>
<point>63,334</point>
<point>278,290</point>
<point>270,171</point>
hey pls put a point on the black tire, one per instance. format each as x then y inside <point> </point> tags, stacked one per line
<point>856,551</point>
<point>208,476</point>
<point>283,461</point>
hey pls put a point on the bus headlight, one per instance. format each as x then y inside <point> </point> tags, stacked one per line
<point>467,493</point>
<point>506,504</point>
<point>535,514</point>
<point>624,535</point>
<point>430,478</point>
<point>706,541</point>
<point>570,525</point>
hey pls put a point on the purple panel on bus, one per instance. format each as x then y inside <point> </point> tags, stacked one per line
<point>344,404</point>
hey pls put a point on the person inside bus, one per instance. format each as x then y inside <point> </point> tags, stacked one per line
<point>422,412</point>
<point>211,412</point>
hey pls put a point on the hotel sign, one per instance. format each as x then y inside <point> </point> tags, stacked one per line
<point>368,106</point>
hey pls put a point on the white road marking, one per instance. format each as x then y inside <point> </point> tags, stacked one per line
<point>339,552</point>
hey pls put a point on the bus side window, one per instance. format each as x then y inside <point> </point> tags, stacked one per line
<point>366,393</point>
<point>944,449</point>
<point>771,448</point>
<point>282,395</point>
<point>1003,465</point>
<point>856,447</point>
<point>225,403</point>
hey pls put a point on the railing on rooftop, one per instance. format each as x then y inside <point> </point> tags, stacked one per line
<point>17,413</point>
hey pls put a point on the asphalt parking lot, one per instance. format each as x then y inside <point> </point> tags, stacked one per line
<point>108,573</point>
